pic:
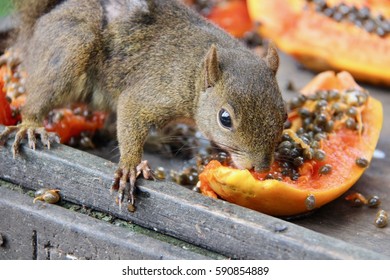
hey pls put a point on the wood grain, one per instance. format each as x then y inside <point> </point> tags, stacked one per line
<point>228,229</point>
<point>44,231</point>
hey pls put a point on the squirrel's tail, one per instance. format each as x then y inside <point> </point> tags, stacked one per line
<point>30,10</point>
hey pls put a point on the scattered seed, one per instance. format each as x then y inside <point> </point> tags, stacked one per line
<point>319,155</point>
<point>294,175</point>
<point>308,154</point>
<point>286,137</point>
<point>310,202</point>
<point>374,202</point>
<point>356,199</point>
<point>160,173</point>
<point>222,157</point>
<point>380,31</point>
<point>304,113</point>
<point>362,162</point>
<point>321,118</point>
<point>321,104</point>
<point>352,111</point>
<point>6,78</point>
<point>325,169</point>
<point>369,25</point>
<point>48,195</point>
<point>285,172</point>
<point>285,144</point>
<point>350,123</point>
<point>41,192</point>
<point>362,18</point>
<point>333,94</point>
<point>328,12</point>
<point>338,16</point>
<point>320,136</point>
<point>295,102</point>
<point>130,207</point>
<point>197,187</point>
<point>294,152</point>
<point>364,13</point>
<point>322,94</point>
<point>338,107</point>
<point>298,161</point>
<point>329,126</point>
<point>381,219</point>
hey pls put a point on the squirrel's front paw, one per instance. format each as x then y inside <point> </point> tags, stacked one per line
<point>125,174</point>
<point>22,130</point>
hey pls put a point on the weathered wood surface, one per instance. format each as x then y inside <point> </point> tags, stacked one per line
<point>44,231</point>
<point>228,229</point>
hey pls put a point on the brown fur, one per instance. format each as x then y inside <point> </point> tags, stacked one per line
<point>152,62</point>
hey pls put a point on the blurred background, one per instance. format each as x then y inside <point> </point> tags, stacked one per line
<point>351,35</point>
<point>5,7</point>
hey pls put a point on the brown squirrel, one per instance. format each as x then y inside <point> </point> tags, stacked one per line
<point>151,61</point>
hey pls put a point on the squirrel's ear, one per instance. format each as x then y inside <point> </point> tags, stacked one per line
<point>212,71</point>
<point>272,58</point>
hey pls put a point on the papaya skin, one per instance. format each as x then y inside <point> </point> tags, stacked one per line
<point>287,197</point>
<point>320,43</point>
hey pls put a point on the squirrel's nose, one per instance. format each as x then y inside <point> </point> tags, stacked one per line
<point>262,168</point>
<point>264,165</point>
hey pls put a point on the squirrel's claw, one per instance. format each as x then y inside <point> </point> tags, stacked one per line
<point>32,140</point>
<point>23,130</point>
<point>20,135</point>
<point>147,173</point>
<point>46,137</point>
<point>5,134</point>
<point>119,184</point>
<point>123,175</point>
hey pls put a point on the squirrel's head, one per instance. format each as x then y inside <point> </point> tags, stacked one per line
<point>240,107</point>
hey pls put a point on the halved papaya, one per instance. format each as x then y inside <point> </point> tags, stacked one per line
<point>66,122</point>
<point>334,128</point>
<point>351,35</point>
<point>232,16</point>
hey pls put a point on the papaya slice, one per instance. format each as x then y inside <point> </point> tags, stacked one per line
<point>6,116</point>
<point>232,16</point>
<point>351,35</point>
<point>333,130</point>
<point>68,123</point>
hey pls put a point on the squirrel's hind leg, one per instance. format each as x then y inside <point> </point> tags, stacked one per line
<point>57,57</point>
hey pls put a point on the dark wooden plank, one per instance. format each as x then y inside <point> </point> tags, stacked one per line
<point>44,231</point>
<point>231,230</point>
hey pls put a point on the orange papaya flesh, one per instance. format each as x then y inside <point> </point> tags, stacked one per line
<point>316,185</point>
<point>321,43</point>
<point>5,110</point>
<point>232,16</point>
<point>66,122</point>
<point>70,124</point>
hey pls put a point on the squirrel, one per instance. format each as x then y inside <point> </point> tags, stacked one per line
<point>151,62</point>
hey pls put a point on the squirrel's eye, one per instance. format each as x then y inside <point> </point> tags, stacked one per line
<point>225,119</point>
